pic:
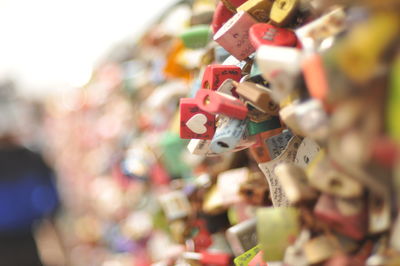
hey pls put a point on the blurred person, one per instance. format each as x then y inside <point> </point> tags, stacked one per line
<point>27,190</point>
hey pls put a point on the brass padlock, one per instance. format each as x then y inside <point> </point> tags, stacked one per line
<point>258,9</point>
<point>283,11</point>
<point>258,96</point>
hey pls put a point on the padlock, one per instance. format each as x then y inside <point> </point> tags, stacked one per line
<point>267,34</point>
<point>323,176</point>
<point>283,11</point>
<point>319,249</point>
<point>258,96</point>
<point>245,258</point>
<point>208,258</point>
<point>219,103</point>
<point>267,147</point>
<point>195,123</point>
<point>306,153</point>
<point>214,75</point>
<point>346,216</point>
<point>277,143</point>
<point>288,116</point>
<point>267,125</point>
<point>256,115</point>
<point>268,168</point>
<point>273,59</point>
<point>175,205</point>
<point>258,9</point>
<point>277,228</point>
<point>315,77</point>
<point>234,35</point>
<point>358,55</point>
<point>294,183</point>
<point>222,13</point>
<point>196,37</point>
<point>228,135</point>
<point>242,237</point>
<point>326,26</point>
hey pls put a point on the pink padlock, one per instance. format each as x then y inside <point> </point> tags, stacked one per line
<point>233,36</point>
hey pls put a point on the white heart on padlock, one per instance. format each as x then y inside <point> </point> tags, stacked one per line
<point>197,123</point>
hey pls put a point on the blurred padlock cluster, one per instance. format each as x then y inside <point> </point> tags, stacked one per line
<point>238,132</point>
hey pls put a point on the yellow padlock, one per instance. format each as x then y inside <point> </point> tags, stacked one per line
<point>282,11</point>
<point>359,53</point>
<point>258,9</point>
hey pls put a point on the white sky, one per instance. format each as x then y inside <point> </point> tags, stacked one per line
<point>53,44</point>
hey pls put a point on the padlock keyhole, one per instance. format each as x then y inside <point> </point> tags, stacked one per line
<point>207,100</point>
<point>223,144</point>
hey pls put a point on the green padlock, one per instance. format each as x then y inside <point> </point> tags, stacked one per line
<point>197,36</point>
<point>254,128</point>
<point>277,228</point>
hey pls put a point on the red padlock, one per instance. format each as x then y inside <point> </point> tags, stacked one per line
<point>260,151</point>
<point>267,34</point>
<point>234,35</point>
<point>218,103</point>
<point>223,14</point>
<point>194,122</point>
<point>315,77</point>
<point>215,75</point>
